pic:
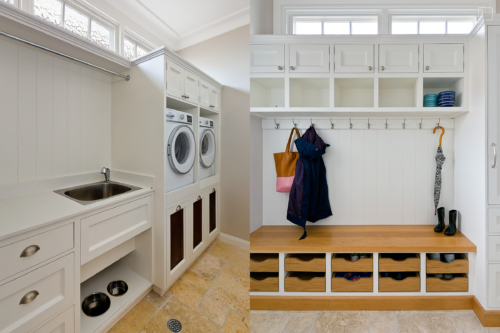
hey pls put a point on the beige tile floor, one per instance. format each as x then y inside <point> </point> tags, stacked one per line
<point>212,296</point>
<point>367,321</point>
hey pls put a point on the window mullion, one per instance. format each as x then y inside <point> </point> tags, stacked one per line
<point>63,10</point>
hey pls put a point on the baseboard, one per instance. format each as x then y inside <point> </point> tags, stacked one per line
<point>490,318</point>
<point>367,303</point>
<point>243,244</point>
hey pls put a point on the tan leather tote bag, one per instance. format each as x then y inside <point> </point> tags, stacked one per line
<point>285,166</point>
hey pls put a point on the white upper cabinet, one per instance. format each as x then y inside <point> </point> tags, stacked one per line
<point>205,94</point>
<point>190,87</point>
<point>267,58</point>
<point>215,98</point>
<point>396,58</point>
<point>443,58</point>
<point>354,58</point>
<point>309,58</point>
<point>175,79</point>
<point>493,116</point>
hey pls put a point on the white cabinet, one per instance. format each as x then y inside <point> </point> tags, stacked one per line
<point>309,58</point>
<point>494,220</point>
<point>493,164</point>
<point>494,248</point>
<point>443,58</point>
<point>493,293</point>
<point>103,231</point>
<point>215,98</point>
<point>181,83</point>
<point>63,323</point>
<point>198,219</point>
<point>213,213</point>
<point>267,58</point>
<point>205,89</point>
<point>29,300</point>
<point>190,87</point>
<point>177,241</point>
<point>397,58</point>
<point>353,58</point>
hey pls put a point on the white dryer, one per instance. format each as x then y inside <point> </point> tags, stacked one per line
<point>181,149</point>
<point>207,148</point>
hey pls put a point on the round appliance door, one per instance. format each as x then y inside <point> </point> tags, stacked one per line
<point>207,148</point>
<point>181,149</point>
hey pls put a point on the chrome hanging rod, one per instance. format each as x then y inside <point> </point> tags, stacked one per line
<point>126,77</point>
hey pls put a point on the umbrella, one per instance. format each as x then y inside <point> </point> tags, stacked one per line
<point>439,165</point>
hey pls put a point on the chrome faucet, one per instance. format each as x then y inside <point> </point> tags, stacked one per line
<point>107,173</point>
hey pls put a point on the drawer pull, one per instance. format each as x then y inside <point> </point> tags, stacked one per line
<point>29,297</point>
<point>178,208</point>
<point>199,198</point>
<point>30,250</point>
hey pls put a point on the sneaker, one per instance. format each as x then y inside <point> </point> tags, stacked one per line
<point>448,257</point>
<point>448,276</point>
<point>434,256</point>
<point>439,276</point>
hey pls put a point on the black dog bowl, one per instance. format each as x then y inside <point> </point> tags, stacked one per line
<point>96,304</point>
<point>117,288</point>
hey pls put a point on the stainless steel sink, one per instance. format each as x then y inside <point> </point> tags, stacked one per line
<point>90,193</point>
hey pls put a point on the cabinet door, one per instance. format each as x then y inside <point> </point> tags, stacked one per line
<point>205,94</point>
<point>267,58</point>
<point>63,323</point>
<point>354,58</point>
<point>494,248</point>
<point>190,87</point>
<point>443,58</point>
<point>398,58</point>
<point>175,79</point>
<point>494,285</point>
<point>215,98</point>
<point>493,118</point>
<point>196,222</point>
<point>213,212</point>
<point>177,241</point>
<point>309,58</point>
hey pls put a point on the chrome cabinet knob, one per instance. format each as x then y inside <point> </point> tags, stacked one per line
<point>494,155</point>
<point>199,198</point>
<point>29,297</point>
<point>178,208</point>
<point>382,68</point>
<point>370,68</point>
<point>427,68</point>
<point>29,251</point>
<point>280,68</point>
<point>292,68</point>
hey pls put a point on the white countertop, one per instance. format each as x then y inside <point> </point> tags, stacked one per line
<point>28,212</point>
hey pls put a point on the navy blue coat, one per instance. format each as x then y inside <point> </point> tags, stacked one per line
<point>308,199</point>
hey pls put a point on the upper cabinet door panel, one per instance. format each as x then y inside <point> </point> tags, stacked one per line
<point>443,58</point>
<point>215,98</point>
<point>354,58</point>
<point>398,58</point>
<point>309,58</point>
<point>175,79</point>
<point>205,94</point>
<point>267,58</point>
<point>191,87</point>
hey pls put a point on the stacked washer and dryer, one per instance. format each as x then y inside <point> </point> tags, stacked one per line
<point>181,149</point>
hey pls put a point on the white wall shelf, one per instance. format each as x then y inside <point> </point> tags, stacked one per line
<point>309,92</point>
<point>267,92</point>
<point>354,92</point>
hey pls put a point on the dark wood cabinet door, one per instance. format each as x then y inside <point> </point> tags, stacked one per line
<point>213,209</point>
<point>197,222</point>
<point>176,238</point>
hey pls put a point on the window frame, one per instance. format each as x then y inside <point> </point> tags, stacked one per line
<point>430,18</point>
<point>334,18</point>
<point>137,39</point>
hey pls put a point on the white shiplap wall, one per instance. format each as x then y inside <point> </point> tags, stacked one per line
<point>55,116</point>
<point>374,176</point>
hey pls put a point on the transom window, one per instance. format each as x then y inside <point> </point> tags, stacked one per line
<point>335,25</point>
<point>132,48</point>
<point>412,25</point>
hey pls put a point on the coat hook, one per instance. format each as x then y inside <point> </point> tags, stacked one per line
<point>368,123</point>
<point>350,124</point>
<point>333,125</point>
<point>277,124</point>
<point>294,124</point>
<point>439,123</point>
<point>312,122</point>
<point>385,123</point>
<point>404,123</point>
<point>420,125</point>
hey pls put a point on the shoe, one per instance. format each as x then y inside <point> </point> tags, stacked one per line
<point>448,276</point>
<point>399,276</point>
<point>448,257</point>
<point>434,256</point>
<point>439,275</point>
<point>452,228</point>
<point>441,214</point>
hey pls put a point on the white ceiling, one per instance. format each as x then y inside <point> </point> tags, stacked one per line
<point>186,22</point>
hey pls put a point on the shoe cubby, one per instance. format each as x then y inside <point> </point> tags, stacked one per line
<point>459,282</point>
<point>410,282</point>
<point>305,281</point>
<point>459,265</point>
<point>267,92</point>
<point>341,262</point>
<point>309,92</point>
<point>397,92</point>
<point>341,284</point>
<point>354,92</point>
<point>399,262</point>
<point>435,85</point>
<point>305,262</point>
<point>264,262</point>
<point>264,281</point>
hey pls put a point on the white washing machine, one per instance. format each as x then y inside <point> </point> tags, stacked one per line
<point>207,148</point>
<point>181,149</point>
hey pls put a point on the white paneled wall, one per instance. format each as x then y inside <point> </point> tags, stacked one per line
<point>374,176</point>
<point>55,116</point>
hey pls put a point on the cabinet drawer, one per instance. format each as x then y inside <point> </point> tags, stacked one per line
<point>493,248</point>
<point>410,283</point>
<point>459,265</point>
<point>460,282</point>
<point>103,231</point>
<point>264,262</point>
<point>443,58</point>
<point>63,323</point>
<point>389,262</point>
<point>343,284</point>
<point>267,58</point>
<point>305,281</point>
<point>264,282</point>
<point>19,256</point>
<point>341,262</point>
<point>53,286</point>
<point>307,262</point>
